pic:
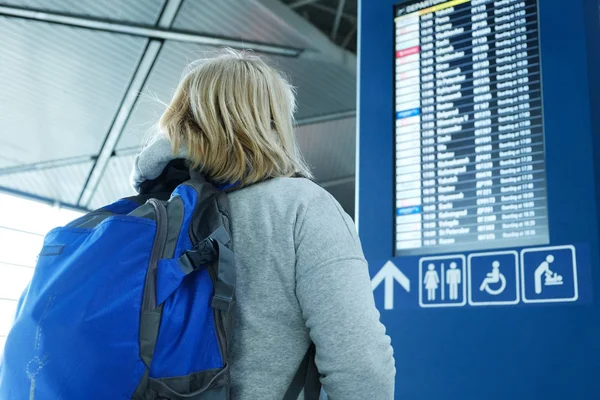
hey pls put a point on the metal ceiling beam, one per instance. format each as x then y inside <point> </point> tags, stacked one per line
<point>110,143</point>
<point>300,3</point>
<point>20,231</point>
<point>349,36</point>
<point>339,181</point>
<point>146,31</point>
<point>338,19</point>
<point>326,117</point>
<point>45,165</point>
<point>127,104</point>
<point>42,199</point>
<point>321,47</point>
<point>333,11</point>
<point>17,265</point>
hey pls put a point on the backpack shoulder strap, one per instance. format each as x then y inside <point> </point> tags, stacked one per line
<point>211,229</point>
<point>211,225</point>
<point>307,378</point>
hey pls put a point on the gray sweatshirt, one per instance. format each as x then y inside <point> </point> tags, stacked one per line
<point>301,276</point>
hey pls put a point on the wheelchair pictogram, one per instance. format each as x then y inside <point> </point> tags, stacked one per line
<point>492,279</point>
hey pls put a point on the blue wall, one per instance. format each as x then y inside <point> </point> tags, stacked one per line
<point>549,351</point>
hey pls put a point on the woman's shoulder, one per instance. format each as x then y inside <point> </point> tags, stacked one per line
<point>298,197</point>
<point>290,190</point>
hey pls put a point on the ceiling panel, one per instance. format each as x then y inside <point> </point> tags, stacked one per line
<point>114,183</point>
<point>323,87</point>
<point>242,19</point>
<point>63,183</point>
<point>61,88</point>
<point>141,12</point>
<point>329,148</point>
<point>169,67</point>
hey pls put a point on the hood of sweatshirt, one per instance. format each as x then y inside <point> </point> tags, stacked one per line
<point>150,165</point>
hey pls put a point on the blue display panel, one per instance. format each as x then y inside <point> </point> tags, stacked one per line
<point>469,132</point>
<point>504,319</point>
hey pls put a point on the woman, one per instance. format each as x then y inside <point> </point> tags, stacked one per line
<point>301,274</point>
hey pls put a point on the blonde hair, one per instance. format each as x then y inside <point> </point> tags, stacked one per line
<point>232,115</point>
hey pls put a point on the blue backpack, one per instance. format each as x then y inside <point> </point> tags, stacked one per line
<point>132,301</point>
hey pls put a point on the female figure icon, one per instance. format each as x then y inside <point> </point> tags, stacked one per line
<point>431,282</point>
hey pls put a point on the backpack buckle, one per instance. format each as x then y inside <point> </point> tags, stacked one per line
<point>193,259</point>
<point>222,303</point>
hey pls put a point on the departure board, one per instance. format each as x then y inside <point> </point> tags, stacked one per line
<point>469,137</point>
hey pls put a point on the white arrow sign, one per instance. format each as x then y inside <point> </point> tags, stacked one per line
<point>390,273</point>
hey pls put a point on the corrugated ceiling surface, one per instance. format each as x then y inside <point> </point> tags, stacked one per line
<point>62,183</point>
<point>174,57</point>
<point>60,88</point>
<point>323,87</point>
<point>142,12</point>
<point>242,19</point>
<point>329,148</point>
<point>115,182</point>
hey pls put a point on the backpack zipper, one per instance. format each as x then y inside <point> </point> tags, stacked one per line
<point>160,240</point>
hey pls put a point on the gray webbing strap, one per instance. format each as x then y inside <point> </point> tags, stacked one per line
<point>206,251</point>
<point>225,285</point>
<point>306,377</point>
